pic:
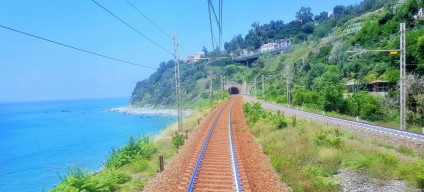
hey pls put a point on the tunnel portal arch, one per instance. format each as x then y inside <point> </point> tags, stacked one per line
<point>233,91</point>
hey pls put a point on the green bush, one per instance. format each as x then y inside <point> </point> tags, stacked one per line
<point>254,112</point>
<point>323,139</point>
<point>321,179</point>
<point>139,148</point>
<point>178,140</point>
<point>78,180</point>
<point>279,121</point>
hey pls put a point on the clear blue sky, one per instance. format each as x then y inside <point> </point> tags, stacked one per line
<point>32,69</point>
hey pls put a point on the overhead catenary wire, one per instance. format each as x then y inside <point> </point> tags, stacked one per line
<point>75,48</point>
<point>154,24</point>
<point>131,27</point>
<point>210,24</point>
<point>142,14</point>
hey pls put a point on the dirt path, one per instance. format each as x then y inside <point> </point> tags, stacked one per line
<point>215,172</point>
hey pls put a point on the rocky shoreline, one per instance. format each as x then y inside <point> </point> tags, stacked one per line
<point>148,111</point>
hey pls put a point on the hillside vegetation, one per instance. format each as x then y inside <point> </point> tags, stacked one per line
<point>319,64</point>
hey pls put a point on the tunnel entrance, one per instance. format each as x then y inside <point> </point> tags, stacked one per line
<point>233,91</point>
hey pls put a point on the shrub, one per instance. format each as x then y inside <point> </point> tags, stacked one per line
<point>321,179</point>
<point>78,180</point>
<point>279,121</point>
<point>294,121</point>
<point>323,139</point>
<point>254,112</point>
<point>139,148</point>
<point>178,140</point>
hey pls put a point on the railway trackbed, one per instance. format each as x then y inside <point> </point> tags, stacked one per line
<point>216,167</point>
<point>220,155</point>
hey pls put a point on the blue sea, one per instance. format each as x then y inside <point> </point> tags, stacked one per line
<point>39,140</point>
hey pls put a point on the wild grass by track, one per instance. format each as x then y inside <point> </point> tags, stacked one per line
<point>306,155</point>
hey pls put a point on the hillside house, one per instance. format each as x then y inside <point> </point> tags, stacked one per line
<point>268,47</point>
<point>198,56</point>
<point>377,87</point>
<point>282,43</point>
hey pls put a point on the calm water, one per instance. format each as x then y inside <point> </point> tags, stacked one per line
<point>40,139</point>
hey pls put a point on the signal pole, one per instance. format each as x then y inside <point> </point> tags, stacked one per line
<point>288,84</point>
<point>402,82</point>
<point>263,88</point>
<point>222,83</point>
<point>402,77</point>
<point>255,87</point>
<point>210,86</point>
<point>177,83</point>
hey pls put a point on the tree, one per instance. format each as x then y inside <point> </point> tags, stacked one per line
<point>304,14</point>
<point>308,28</point>
<point>356,103</point>
<point>323,15</point>
<point>338,10</point>
<point>331,88</point>
<point>204,49</point>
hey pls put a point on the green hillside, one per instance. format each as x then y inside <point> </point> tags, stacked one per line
<point>320,66</point>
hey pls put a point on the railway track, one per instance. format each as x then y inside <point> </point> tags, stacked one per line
<point>214,166</point>
<point>386,130</point>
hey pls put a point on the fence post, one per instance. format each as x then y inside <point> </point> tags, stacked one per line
<point>186,134</point>
<point>161,163</point>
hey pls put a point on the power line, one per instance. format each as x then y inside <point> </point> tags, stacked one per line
<point>160,29</point>
<point>157,26</point>
<point>210,24</point>
<point>75,48</point>
<point>128,25</point>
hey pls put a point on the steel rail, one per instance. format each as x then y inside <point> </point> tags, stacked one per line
<point>202,152</point>
<point>386,130</point>
<point>234,165</point>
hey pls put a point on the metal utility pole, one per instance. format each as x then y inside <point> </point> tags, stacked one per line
<point>255,87</point>
<point>402,82</point>
<point>263,88</point>
<point>177,83</point>
<point>402,77</point>
<point>288,84</point>
<point>222,83</point>
<point>210,86</point>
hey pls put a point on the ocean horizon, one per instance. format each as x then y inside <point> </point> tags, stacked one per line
<point>40,140</point>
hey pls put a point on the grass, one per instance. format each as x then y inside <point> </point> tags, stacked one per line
<point>307,155</point>
<point>130,167</point>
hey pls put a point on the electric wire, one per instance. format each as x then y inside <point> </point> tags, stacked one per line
<point>210,24</point>
<point>157,26</point>
<point>160,29</point>
<point>75,48</point>
<point>134,29</point>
